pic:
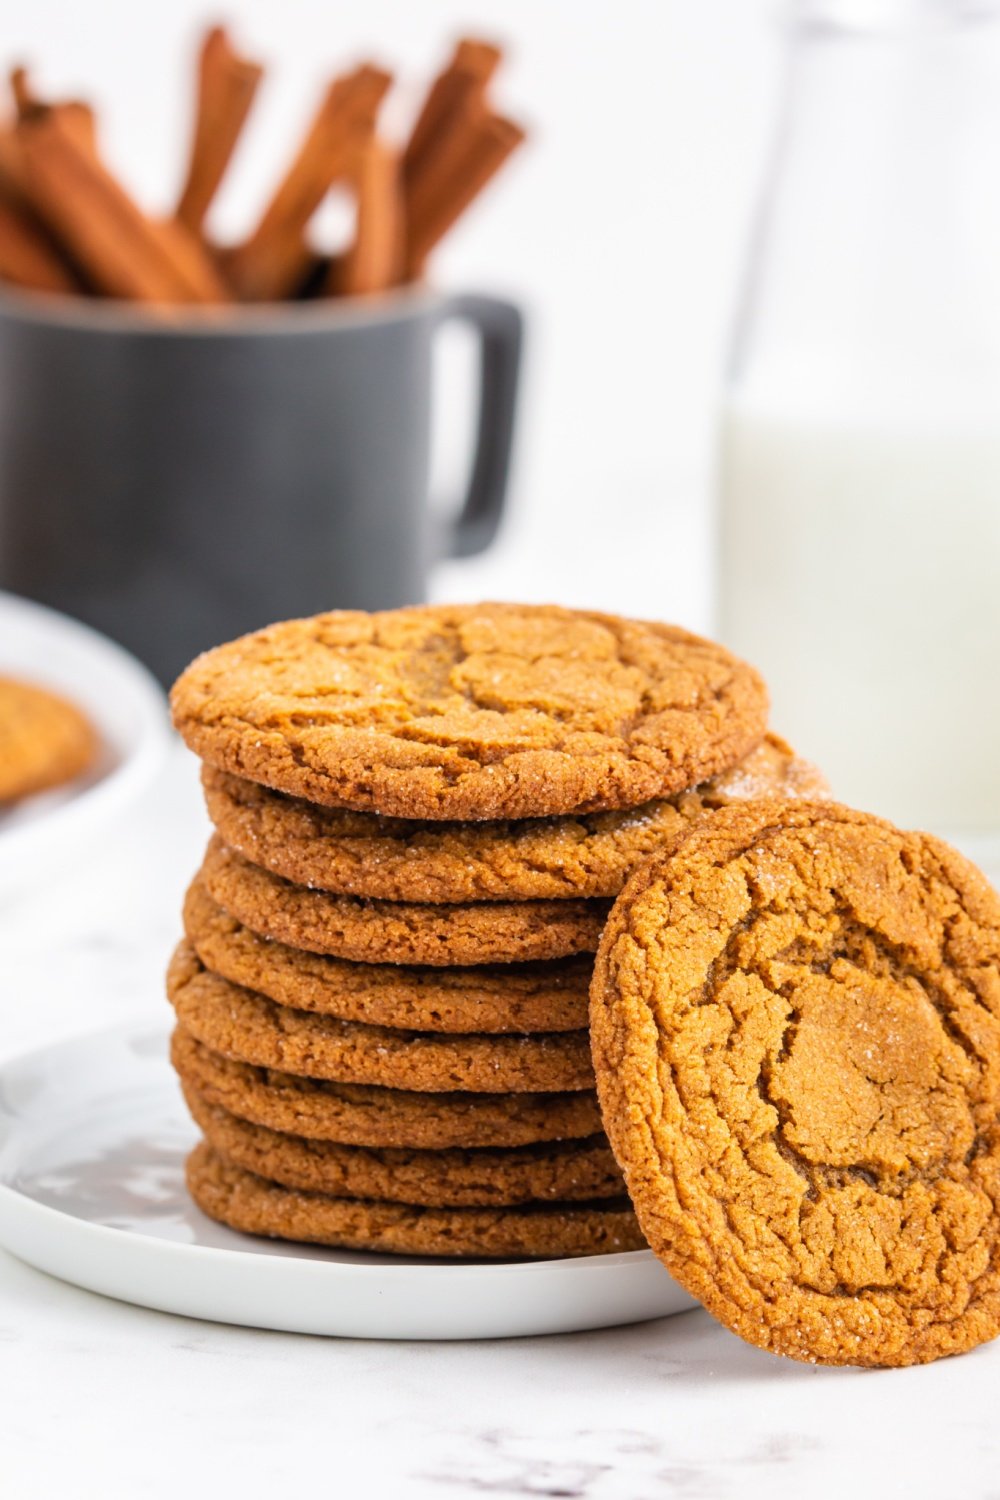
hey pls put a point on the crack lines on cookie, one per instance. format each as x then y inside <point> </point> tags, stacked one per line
<point>806,1170</point>
<point>854,942</point>
<point>901,968</point>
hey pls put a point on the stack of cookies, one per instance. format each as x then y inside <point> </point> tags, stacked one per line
<point>422,818</point>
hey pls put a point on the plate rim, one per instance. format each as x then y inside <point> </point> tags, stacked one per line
<point>72,1248</point>
<point>121,1031</point>
<point>176,1249</point>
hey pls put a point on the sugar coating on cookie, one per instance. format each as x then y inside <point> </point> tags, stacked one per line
<point>558,1171</point>
<point>395,931</point>
<point>241,1024</point>
<point>471,711</point>
<point>403,859</point>
<point>370,1115</point>
<point>551,996</point>
<point>795,1020</point>
<point>250,1203</point>
<point>45,740</point>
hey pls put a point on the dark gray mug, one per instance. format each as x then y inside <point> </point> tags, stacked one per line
<point>178,480</point>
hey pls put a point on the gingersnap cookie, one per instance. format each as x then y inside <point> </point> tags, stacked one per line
<point>395,931</point>
<point>559,1171</point>
<point>244,1201</point>
<point>361,1115</point>
<point>44,740</point>
<point>796,1028</point>
<point>241,1024</point>
<point>399,859</point>
<point>509,997</point>
<point>471,711</point>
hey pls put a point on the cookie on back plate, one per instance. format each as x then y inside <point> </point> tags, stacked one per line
<point>795,1018</point>
<point>44,740</point>
<point>471,711</point>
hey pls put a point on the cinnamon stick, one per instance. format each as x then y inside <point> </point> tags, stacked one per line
<point>11,168</point>
<point>28,257</point>
<point>191,274</point>
<point>25,98</point>
<point>461,86</point>
<point>78,116</point>
<point>271,263</point>
<point>66,218</point>
<point>455,172</point>
<point>195,266</point>
<point>227,84</point>
<point>374,260</point>
<point>121,252</point>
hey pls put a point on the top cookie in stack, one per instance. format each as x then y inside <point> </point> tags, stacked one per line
<point>471,711</point>
<point>405,802</point>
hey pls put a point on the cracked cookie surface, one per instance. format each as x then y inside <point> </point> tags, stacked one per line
<point>550,996</point>
<point>241,1024</point>
<point>367,1115</point>
<point>250,1203</point>
<point>471,711</point>
<point>398,932</point>
<point>561,1171</point>
<point>44,740</point>
<point>795,1018</point>
<point>401,859</point>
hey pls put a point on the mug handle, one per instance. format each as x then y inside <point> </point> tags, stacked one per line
<point>499,326</point>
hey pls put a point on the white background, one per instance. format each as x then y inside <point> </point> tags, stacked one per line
<point>620,227</point>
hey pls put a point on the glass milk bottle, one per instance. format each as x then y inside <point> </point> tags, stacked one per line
<point>860,459</point>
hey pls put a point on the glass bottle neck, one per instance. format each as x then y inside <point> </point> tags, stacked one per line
<point>873,267</point>
<point>888,18</point>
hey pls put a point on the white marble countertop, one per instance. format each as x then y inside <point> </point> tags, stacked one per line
<point>102,1399</point>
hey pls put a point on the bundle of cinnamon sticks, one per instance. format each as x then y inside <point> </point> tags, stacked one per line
<point>68,225</point>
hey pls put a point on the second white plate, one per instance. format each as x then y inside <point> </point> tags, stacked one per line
<point>93,1135</point>
<point>44,833</point>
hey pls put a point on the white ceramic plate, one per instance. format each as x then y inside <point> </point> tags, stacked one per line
<point>126,705</point>
<point>93,1135</point>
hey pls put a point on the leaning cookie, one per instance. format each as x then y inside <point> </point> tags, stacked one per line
<point>529,859</point>
<point>244,1201</point>
<point>471,711</point>
<point>795,1020</point>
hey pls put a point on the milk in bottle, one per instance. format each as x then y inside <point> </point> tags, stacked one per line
<point>859,471</point>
